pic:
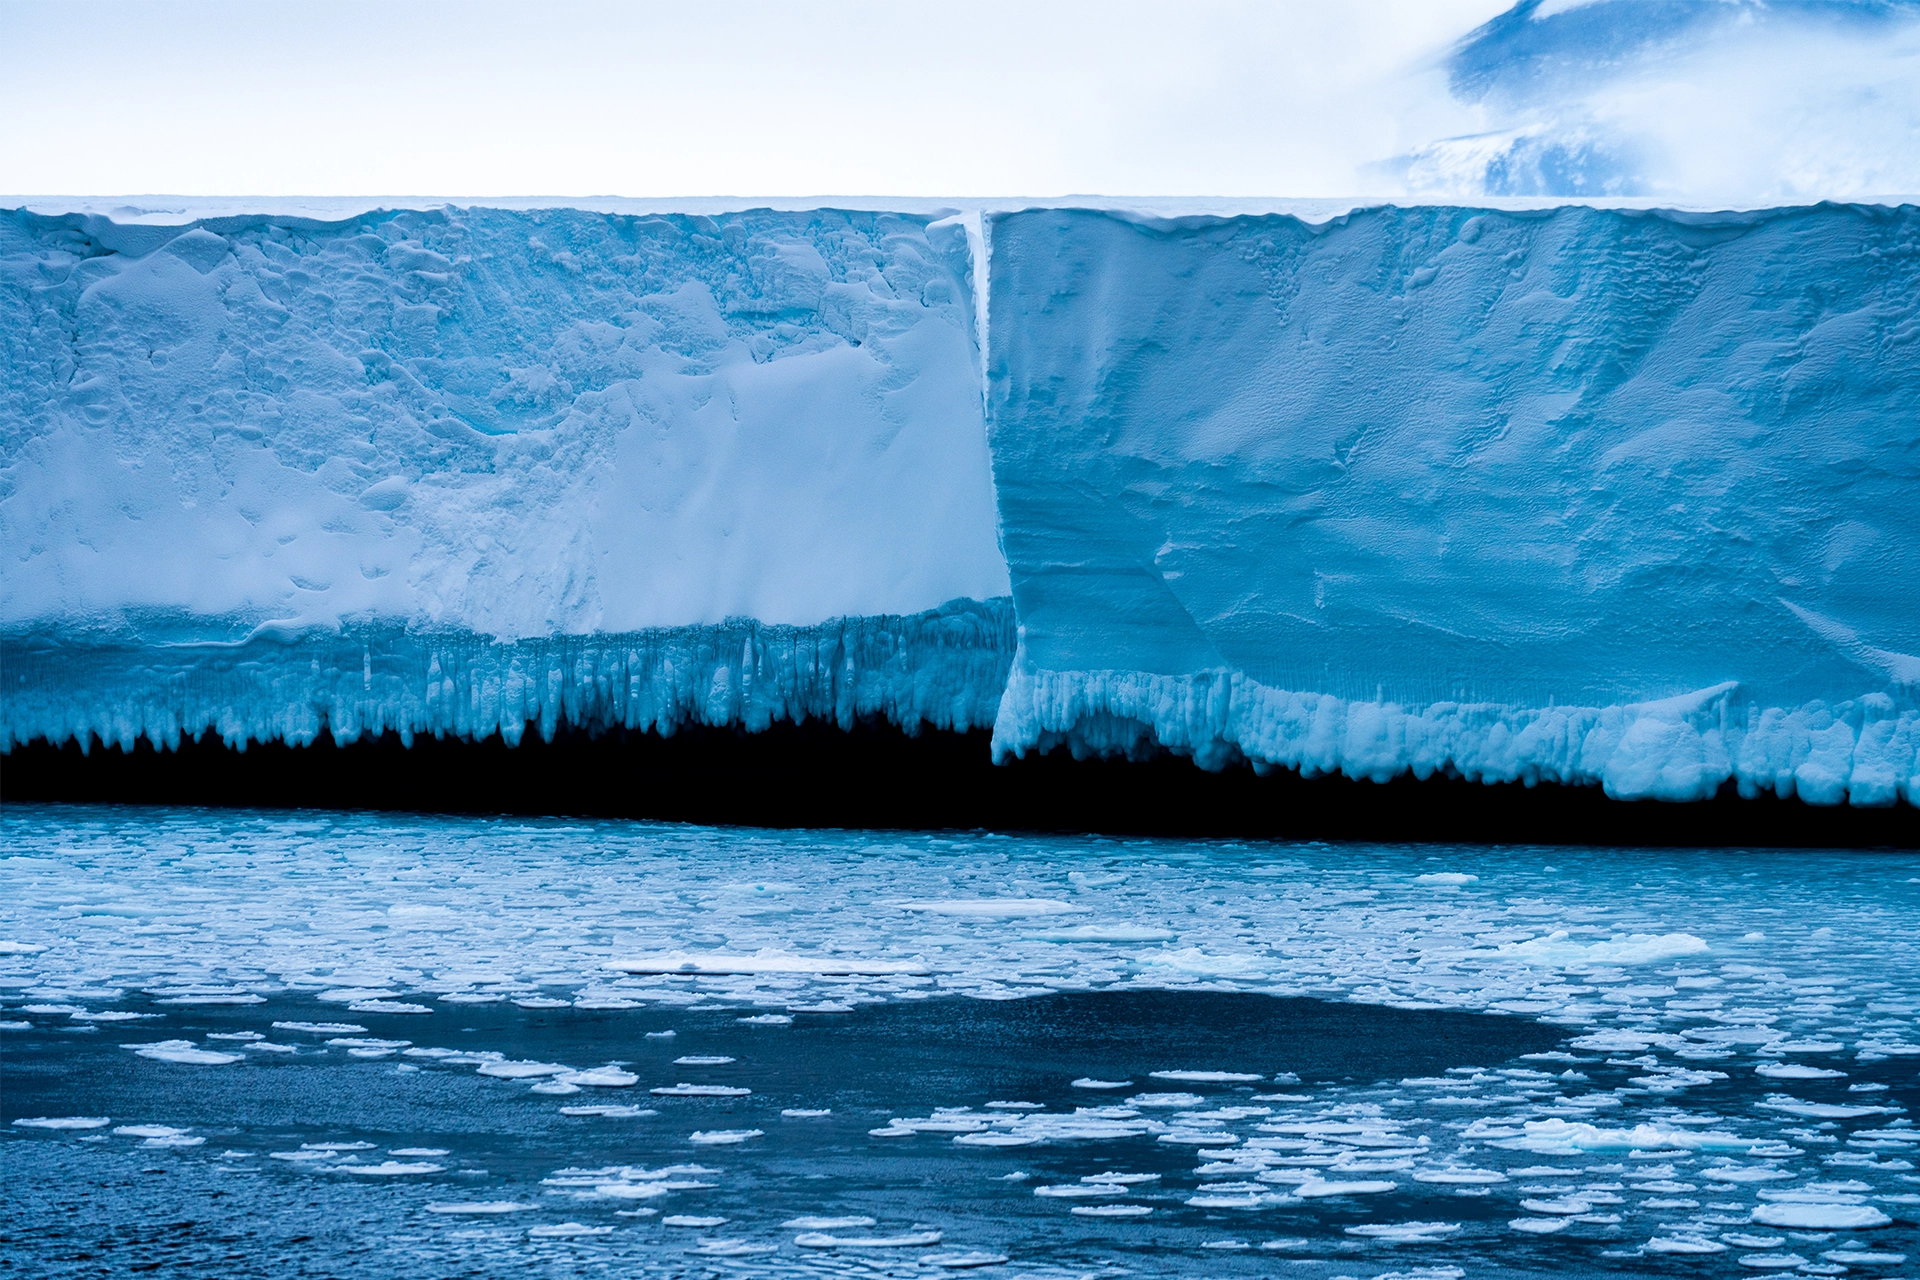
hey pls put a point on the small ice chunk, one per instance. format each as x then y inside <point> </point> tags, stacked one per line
<point>702,1060</point>
<point>1795,1071</point>
<point>386,1006</point>
<point>690,1220</point>
<point>1820,1217</point>
<point>1684,1244</point>
<point>805,1113</point>
<point>1088,1082</point>
<point>63,1122</point>
<point>906,1240</point>
<point>1318,1189</point>
<point>608,1077</point>
<point>554,1087</point>
<point>721,1137</point>
<point>522,1070</point>
<point>757,1020</point>
<point>1404,1232</point>
<point>730,1248</point>
<point>416,1151</point>
<point>668,1035</point>
<point>183,1052</point>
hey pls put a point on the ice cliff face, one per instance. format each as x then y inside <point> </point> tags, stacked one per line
<point>1571,493</point>
<point>513,424</point>
<point>1579,494</point>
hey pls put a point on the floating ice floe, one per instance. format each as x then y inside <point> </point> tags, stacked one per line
<point>387,1006</point>
<point>691,1220</point>
<point>1103,933</point>
<point>730,1248</point>
<point>322,1028</point>
<point>815,1223</point>
<point>1457,1175</point>
<point>472,997</point>
<point>391,1169</point>
<point>1445,878</point>
<point>1207,1077</point>
<point>702,1060</point>
<point>763,1020</point>
<point>1167,1101</point>
<point>1404,1232</point>
<point>1684,1244</point>
<point>566,1231</point>
<point>1080,1191</point>
<point>122,1015</point>
<point>1319,1189</point>
<point>1772,1261</point>
<point>1089,1082</point>
<point>158,1135</point>
<point>479,1207</point>
<point>767,960</point>
<point>963,1261</point>
<point>542,1002</point>
<point>609,1112</point>
<point>63,1122</point>
<point>992,908</point>
<point>1559,950</point>
<point>1822,1110</point>
<point>1820,1216</point>
<point>183,1052</point>
<point>721,1137</point>
<point>1111,1210</point>
<point>608,1077</point>
<point>906,1240</point>
<point>685,1090</point>
<point>805,1113</point>
<point>522,1070</point>
<point>1796,1071</point>
<point>1539,1226</point>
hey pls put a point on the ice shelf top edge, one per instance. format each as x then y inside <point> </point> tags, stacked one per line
<point>181,210</point>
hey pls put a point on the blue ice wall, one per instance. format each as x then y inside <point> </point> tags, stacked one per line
<point>457,470</point>
<point>1576,494</point>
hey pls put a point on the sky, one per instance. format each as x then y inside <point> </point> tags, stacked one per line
<point>1703,100</point>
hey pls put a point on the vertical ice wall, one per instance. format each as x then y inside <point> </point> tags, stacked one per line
<point>1577,494</point>
<point>227,445</point>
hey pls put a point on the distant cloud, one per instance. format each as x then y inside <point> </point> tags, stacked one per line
<point>1744,101</point>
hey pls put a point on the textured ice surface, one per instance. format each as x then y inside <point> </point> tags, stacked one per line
<point>1583,495</point>
<point>1537,491</point>
<point>445,429</point>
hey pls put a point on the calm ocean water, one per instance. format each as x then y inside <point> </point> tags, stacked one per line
<point>247,1044</point>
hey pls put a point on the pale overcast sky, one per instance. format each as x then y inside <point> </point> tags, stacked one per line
<point>860,97</point>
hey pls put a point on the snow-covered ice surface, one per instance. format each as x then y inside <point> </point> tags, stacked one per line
<point>1370,1060</point>
<point>265,471</point>
<point>1582,494</point>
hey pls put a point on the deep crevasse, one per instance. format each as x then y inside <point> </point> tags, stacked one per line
<point>1572,494</point>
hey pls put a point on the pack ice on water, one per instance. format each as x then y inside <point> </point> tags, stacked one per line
<point>1526,490</point>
